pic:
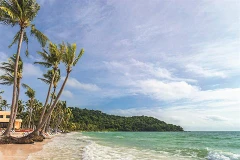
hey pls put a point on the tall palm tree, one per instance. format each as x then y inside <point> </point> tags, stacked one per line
<point>70,59</point>
<point>51,59</point>
<point>8,77</point>
<point>52,77</point>
<point>31,94</point>
<point>21,13</point>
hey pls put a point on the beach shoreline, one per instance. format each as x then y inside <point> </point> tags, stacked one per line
<point>21,151</point>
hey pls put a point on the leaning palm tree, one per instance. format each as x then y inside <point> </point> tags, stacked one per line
<point>51,59</point>
<point>70,59</point>
<point>52,77</point>
<point>31,94</point>
<point>21,13</point>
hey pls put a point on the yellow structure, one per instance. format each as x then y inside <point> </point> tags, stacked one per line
<point>4,119</point>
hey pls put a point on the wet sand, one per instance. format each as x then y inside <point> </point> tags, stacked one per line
<point>20,151</point>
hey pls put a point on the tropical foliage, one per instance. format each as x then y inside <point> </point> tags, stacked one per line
<point>94,120</point>
<point>20,13</point>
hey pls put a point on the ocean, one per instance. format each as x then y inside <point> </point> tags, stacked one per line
<point>143,146</point>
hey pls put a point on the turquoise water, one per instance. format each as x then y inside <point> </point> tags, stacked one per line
<point>142,146</point>
<point>172,145</point>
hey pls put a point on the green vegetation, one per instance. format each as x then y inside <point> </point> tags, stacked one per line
<point>93,120</point>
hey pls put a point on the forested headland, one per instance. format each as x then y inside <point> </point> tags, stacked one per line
<point>94,120</point>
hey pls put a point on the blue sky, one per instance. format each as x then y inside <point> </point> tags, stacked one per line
<point>178,61</point>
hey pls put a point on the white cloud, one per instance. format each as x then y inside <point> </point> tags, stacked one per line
<point>165,91</point>
<point>3,58</point>
<point>217,59</point>
<point>67,94</point>
<point>216,118</point>
<point>74,83</point>
<point>204,72</point>
<point>141,70</point>
<point>31,70</point>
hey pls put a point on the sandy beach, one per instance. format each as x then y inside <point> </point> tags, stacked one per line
<point>20,151</point>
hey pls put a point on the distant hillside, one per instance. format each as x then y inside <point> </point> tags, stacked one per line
<point>94,120</point>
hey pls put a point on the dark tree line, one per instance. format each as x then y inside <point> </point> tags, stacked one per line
<point>94,120</point>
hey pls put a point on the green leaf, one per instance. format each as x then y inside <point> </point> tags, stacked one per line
<point>79,56</point>
<point>42,39</point>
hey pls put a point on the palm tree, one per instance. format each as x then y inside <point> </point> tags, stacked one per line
<point>62,115</point>
<point>4,104</point>
<point>51,59</point>
<point>53,97</point>
<point>59,114</point>
<point>51,78</point>
<point>8,77</point>
<point>21,13</point>
<point>70,59</point>
<point>31,94</point>
<point>20,109</point>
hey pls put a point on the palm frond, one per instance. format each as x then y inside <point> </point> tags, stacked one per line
<point>44,55</point>
<point>79,56</point>
<point>42,39</point>
<point>25,39</point>
<point>45,64</point>
<point>25,86</point>
<point>15,39</point>
<point>45,80</point>
<point>8,12</point>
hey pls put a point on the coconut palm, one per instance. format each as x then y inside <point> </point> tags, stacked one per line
<point>20,13</point>
<point>21,107</point>
<point>58,114</point>
<point>51,59</point>
<point>8,77</point>
<point>4,104</point>
<point>51,78</point>
<point>70,59</point>
<point>31,94</point>
<point>8,68</point>
<point>66,118</point>
<point>62,115</point>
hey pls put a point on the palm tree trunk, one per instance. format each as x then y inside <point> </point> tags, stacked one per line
<point>14,95</point>
<point>15,111</point>
<point>47,126</point>
<point>30,115</point>
<point>51,108</point>
<point>48,95</point>
<point>16,108</point>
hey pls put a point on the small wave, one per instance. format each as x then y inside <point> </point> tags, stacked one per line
<point>120,137</point>
<point>222,156</point>
<point>94,151</point>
